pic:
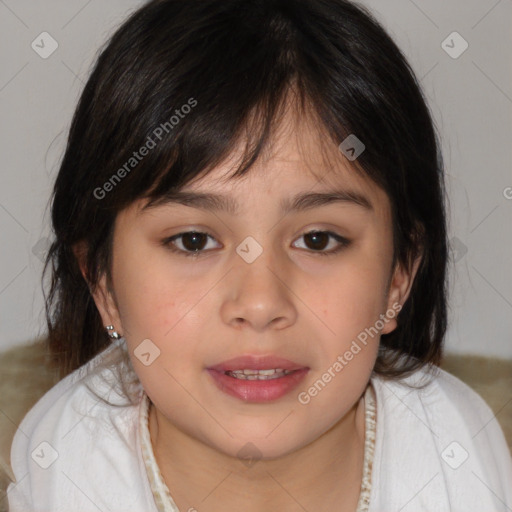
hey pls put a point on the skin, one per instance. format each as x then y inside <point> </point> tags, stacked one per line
<point>291,301</point>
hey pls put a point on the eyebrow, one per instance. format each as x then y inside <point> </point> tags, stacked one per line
<point>298,203</point>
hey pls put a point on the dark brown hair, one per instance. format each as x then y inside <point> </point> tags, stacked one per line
<point>198,70</point>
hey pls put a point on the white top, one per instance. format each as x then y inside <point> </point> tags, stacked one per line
<point>437,449</point>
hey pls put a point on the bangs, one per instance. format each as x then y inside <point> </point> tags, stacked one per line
<point>252,137</point>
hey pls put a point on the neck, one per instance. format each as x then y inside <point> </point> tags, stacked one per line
<point>324,475</point>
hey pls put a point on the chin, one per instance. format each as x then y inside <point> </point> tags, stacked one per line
<point>260,446</point>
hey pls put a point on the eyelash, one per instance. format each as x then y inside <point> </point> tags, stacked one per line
<point>168,242</point>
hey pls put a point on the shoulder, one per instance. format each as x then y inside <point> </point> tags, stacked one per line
<point>438,392</point>
<point>81,434</point>
<point>445,405</point>
<point>77,396</point>
<point>433,429</point>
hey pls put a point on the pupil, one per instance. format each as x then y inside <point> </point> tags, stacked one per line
<point>318,238</point>
<point>194,237</point>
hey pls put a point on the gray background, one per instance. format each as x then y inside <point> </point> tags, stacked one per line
<point>470,97</point>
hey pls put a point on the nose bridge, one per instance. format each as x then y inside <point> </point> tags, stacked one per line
<point>258,294</point>
<point>256,267</point>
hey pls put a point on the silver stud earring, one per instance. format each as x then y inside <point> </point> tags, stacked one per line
<point>111,332</point>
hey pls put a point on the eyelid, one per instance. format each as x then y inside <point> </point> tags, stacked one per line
<point>341,240</point>
<point>168,242</point>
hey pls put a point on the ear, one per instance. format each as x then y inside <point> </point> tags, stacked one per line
<point>399,290</point>
<point>102,294</point>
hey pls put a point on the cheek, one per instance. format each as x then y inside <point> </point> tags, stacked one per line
<point>154,295</point>
<point>354,295</point>
<point>159,305</point>
<point>349,304</point>
<point>164,305</point>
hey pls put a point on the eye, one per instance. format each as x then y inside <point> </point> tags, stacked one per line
<point>194,243</point>
<point>316,241</point>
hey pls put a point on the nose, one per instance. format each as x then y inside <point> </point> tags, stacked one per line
<point>258,295</point>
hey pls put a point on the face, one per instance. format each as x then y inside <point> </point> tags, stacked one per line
<point>303,285</point>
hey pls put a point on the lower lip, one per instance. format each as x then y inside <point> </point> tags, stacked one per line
<point>258,390</point>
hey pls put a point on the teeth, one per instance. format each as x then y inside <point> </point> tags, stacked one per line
<point>264,372</point>
<point>258,374</point>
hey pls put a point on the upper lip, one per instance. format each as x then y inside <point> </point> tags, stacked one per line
<point>252,362</point>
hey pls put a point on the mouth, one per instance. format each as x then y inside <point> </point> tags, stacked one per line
<point>257,379</point>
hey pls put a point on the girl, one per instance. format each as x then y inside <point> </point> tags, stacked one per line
<point>289,361</point>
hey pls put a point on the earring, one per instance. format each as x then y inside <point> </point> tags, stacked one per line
<point>113,334</point>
